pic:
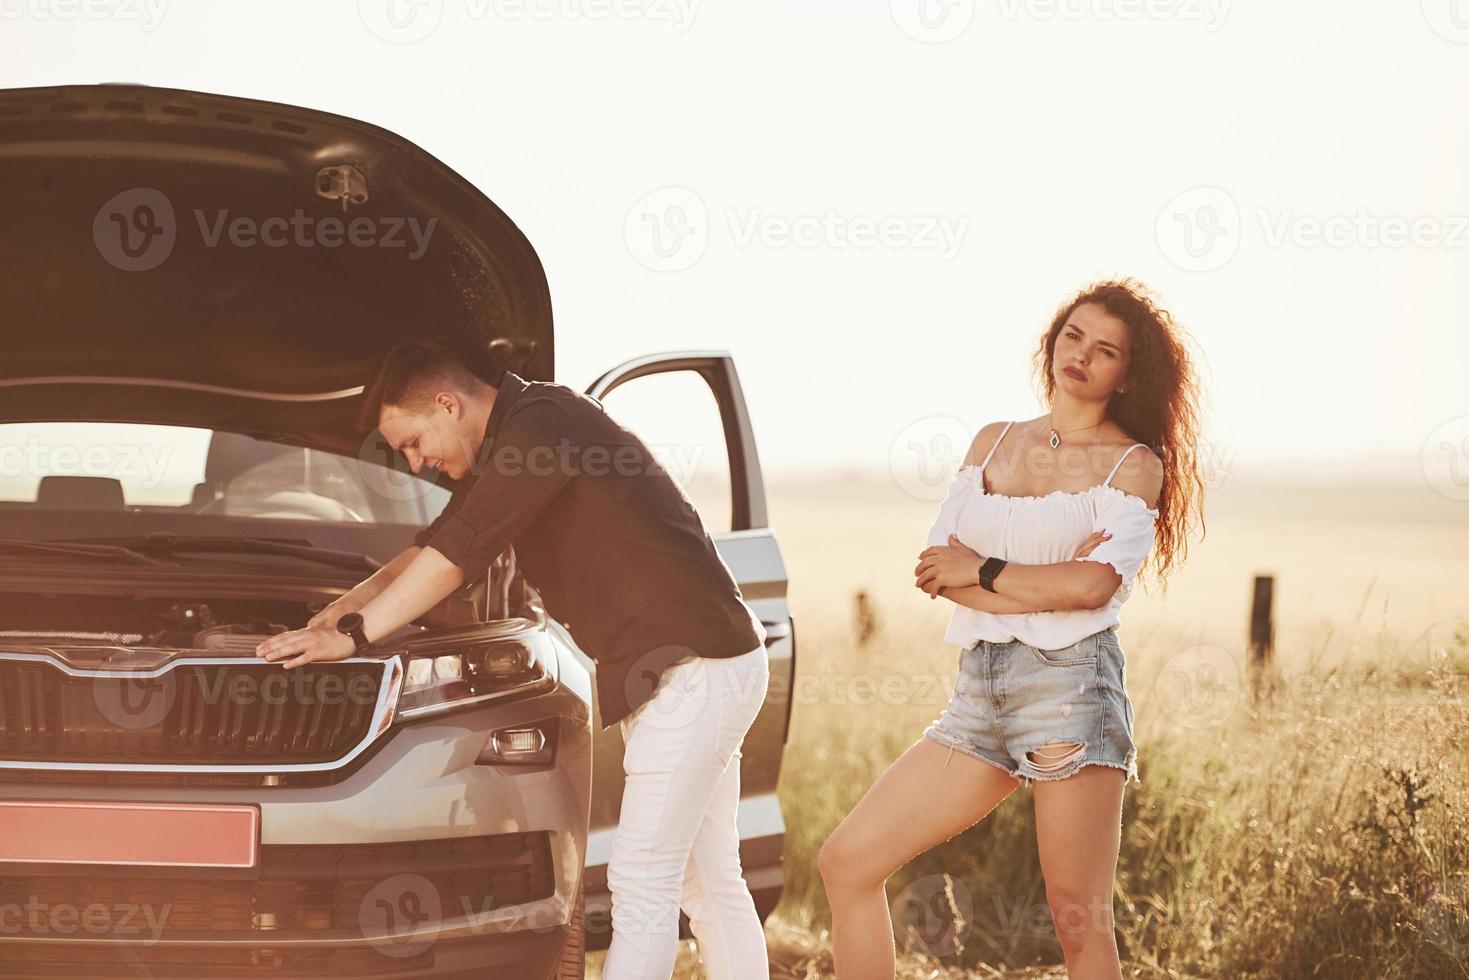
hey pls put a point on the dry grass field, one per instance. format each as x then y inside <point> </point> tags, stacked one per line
<point>1317,831</point>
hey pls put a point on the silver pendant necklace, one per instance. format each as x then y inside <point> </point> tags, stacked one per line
<point>1055,439</point>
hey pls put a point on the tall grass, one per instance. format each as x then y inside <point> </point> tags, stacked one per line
<point>1317,831</point>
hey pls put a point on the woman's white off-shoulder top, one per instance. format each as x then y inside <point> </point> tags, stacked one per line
<point>1043,530</point>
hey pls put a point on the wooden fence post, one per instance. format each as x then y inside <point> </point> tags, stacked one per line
<point>864,619</point>
<point>1262,632</point>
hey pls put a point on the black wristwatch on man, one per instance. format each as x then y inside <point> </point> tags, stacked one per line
<point>988,571</point>
<point>351,625</point>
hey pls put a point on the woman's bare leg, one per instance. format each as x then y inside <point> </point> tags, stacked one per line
<point>886,830</point>
<point>1079,831</point>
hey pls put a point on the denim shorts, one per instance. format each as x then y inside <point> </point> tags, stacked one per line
<point>1010,699</point>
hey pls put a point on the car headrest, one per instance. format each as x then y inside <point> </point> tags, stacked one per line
<point>80,493</point>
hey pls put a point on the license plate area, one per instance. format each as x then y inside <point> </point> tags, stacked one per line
<point>144,835</point>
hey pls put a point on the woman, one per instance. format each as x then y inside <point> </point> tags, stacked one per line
<point>1044,529</point>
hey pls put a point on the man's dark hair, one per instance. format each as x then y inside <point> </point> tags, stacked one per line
<point>409,375</point>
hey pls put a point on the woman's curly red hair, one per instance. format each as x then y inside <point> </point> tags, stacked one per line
<point>1160,407</point>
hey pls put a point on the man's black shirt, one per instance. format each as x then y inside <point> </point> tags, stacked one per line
<point>615,548</point>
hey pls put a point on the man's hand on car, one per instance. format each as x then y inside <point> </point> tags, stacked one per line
<point>306,646</point>
<point>423,584</point>
<point>335,610</point>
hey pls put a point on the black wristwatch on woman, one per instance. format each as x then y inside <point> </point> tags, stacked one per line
<point>351,625</point>
<point>988,571</point>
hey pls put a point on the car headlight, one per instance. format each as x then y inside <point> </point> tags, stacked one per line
<point>448,673</point>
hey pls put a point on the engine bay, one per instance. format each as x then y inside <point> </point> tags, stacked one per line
<point>217,622</point>
<point>222,625</point>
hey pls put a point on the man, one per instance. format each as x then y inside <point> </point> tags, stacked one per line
<point>620,556</point>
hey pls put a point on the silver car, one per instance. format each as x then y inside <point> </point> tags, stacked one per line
<point>193,288</point>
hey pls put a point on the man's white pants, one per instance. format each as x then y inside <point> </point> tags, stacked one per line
<point>676,841</point>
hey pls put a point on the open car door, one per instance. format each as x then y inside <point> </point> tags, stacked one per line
<point>750,550</point>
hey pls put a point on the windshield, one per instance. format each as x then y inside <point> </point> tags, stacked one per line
<point>163,469</point>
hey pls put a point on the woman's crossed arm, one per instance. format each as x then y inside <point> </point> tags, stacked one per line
<point>952,571</point>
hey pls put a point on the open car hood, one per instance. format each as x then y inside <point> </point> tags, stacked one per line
<point>211,261</point>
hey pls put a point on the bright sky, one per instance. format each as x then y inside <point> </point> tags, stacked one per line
<point>877,206</point>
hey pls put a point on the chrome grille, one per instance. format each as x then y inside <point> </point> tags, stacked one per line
<point>227,713</point>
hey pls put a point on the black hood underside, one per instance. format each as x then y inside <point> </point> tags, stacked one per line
<point>182,258</point>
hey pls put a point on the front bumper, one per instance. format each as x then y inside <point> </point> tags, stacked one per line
<point>526,954</point>
<point>419,863</point>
